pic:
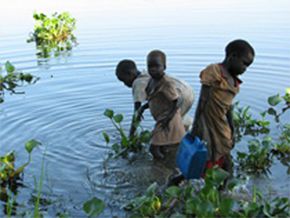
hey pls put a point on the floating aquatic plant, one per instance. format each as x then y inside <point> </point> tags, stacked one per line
<point>11,78</point>
<point>260,156</point>
<point>194,199</point>
<point>281,149</point>
<point>8,172</point>
<point>258,159</point>
<point>53,34</point>
<point>93,207</point>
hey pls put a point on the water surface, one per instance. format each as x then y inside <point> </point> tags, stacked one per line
<point>64,110</point>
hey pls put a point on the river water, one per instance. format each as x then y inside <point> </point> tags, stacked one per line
<point>64,109</point>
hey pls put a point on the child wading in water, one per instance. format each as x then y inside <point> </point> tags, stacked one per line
<point>127,72</point>
<point>164,103</point>
<point>213,121</point>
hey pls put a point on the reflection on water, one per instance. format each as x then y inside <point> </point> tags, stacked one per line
<point>64,110</point>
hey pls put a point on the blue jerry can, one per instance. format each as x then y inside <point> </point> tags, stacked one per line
<point>191,157</point>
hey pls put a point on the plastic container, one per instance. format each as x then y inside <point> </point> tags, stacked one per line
<point>191,157</point>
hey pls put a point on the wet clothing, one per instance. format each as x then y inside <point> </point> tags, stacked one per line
<point>161,97</point>
<point>212,124</point>
<point>169,155</point>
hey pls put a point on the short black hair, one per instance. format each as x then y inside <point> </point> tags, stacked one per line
<point>158,53</point>
<point>240,47</point>
<point>124,67</point>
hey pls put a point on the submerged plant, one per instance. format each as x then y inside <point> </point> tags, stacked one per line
<point>10,79</point>
<point>53,34</point>
<point>126,144</point>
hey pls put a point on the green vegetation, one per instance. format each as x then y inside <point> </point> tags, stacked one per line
<point>8,172</point>
<point>213,196</point>
<point>94,207</point>
<point>126,144</point>
<point>262,152</point>
<point>53,34</point>
<point>10,79</point>
<point>9,176</point>
<point>258,159</point>
<point>210,199</point>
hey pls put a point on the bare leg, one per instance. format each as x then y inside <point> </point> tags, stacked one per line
<point>155,150</point>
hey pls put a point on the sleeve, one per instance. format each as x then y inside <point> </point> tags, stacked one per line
<point>170,91</point>
<point>210,76</point>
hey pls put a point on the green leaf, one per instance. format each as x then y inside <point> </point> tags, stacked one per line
<point>173,191</point>
<point>31,144</point>
<point>9,67</point>
<point>106,137</point>
<point>216,175</point>
<point>232,183</point>
<point>274,100</point>
<point>226,206</point>
<point>124,142</point>
<point>94,207</point>
<point>145,136</point>
<point>109,113</point>
<point>191,205</point>
<point>118,118</point>
<point>151,189</point>
<point>178,215</point>
<point>116,147</point>
<point>272,111</point>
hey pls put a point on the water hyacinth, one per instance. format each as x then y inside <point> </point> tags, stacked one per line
<point>53,34</point>
<point>11,78</point>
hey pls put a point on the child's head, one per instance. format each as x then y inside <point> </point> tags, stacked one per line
<point>126,71</point>
<point>156,64</point>
<point>239,55</point>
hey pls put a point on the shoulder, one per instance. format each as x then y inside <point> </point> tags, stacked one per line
<point>141,80</point>
<point>181,85</point>
<point>210,74</point>
<point>138,87</point>
<point>167,81</point>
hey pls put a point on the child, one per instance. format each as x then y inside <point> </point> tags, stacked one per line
<point>213,121</point>
<point>128,73</point>
<point>164,103</point>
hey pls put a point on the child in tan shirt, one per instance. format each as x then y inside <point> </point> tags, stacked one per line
<point>164,103</point>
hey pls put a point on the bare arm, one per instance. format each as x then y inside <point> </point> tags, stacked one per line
<point>231,123</point>
<point>176,104</point>
<point>137,118</point>
<point>203,97</point>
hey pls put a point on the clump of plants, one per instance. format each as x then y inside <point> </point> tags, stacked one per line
<point>53,34</point>
<point>8,172</point>
<point>10,176</point>
<point>11,78</point>
<point>258,159</point>
<point>281,149</point>
<point>261,153</point>
<point>205,198</point>
<point>126,144</point>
